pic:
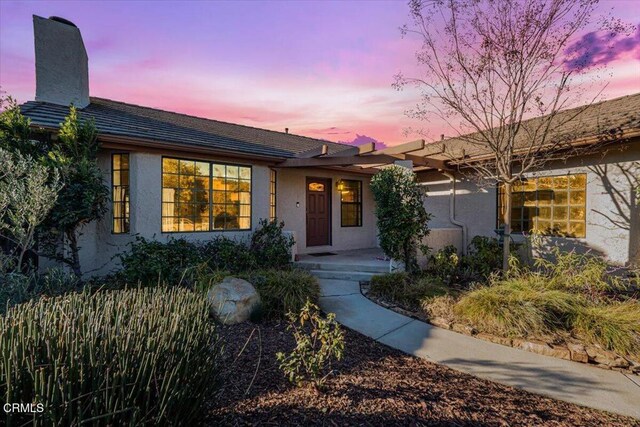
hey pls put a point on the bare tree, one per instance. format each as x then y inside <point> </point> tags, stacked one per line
<point>490,65</point>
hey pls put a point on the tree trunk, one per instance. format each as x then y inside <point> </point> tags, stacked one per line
<point>75,255</point>
<point>506,239</point>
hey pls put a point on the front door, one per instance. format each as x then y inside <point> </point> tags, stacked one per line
<point>318,211</point>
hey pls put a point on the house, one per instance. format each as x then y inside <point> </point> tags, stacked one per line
<point>174,175</point>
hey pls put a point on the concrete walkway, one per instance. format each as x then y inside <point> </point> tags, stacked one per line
<point>560,379</point>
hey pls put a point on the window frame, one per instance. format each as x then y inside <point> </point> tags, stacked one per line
<point>211,191</point>
<point>569,206</point>
<point>127,212</point>
<point>359,204</point>
<point>273,185</point>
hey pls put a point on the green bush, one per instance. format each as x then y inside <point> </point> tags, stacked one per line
<point>614,326</point>
<point>224,254</point>
<point>445,264</point>
<point>407,290</point>
<point>283,291</point>
<point>318,341</point>
<point>270,246</point>
<point>150,262</point>
<point>135,357</point>
<point>16,288</point>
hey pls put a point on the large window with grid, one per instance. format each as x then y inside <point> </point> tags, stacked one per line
<point>120,192</point>
<point>350,203</point>
<point>273,176</point>
<point>550,205</point>
<point>205,196</point>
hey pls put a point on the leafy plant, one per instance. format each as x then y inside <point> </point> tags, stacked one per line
<point>150,262</point>
<point>222,253</point>
<point>318,341</point>
<point>401,217</point>
<point>83,197</point>
<point>133,357</point>
<point>17,287</point>
<point>270,246</point>
<point>445,263</point>
<point>28,192</point>
<point>407,290</point>
<point>283,291</point>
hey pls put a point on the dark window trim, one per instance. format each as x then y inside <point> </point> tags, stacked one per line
<point>211,163</point>
<point>358,203</point>
<point>557,236</point>
<point>275,194</point>
<point>113,219</point>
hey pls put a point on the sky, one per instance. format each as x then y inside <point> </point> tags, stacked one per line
<point>322,69</point>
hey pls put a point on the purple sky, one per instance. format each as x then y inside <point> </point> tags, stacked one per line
<point>322,69</point>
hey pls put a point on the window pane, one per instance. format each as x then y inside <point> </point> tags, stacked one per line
<point>245,173</point>
<point>351,203</point>
<point>169,166</point>
<point>557,207</point>
<point>120,192</point>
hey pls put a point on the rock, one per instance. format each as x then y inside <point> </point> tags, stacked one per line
<point>233,300</point>
<point>496,339</point>
<point>440,322</point>
<point>463,329</point>
<point>606,358</point>
<point>541,347</point>
<point>578,352</point>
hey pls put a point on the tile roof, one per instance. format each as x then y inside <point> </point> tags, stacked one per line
<point>593,120</point>
<point>133,121</point>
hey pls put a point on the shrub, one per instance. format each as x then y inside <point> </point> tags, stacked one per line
<point>135,357</point>
<point>318,341</point>
<point>283,291</point>
<point>270,246</point>
<point>150,262</point>
<point>222,253</point>
<point>401,216</point>
<point>405,289</point>
<point>614,326</point>
<point>440,306</point>
<point>484,256</point>
<point>445,263</point>
<point>519,308</point>
<point>16,288</point>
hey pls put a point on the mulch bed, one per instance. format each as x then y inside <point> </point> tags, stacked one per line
<point>373,385</point>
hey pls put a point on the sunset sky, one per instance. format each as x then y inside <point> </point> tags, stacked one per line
<point>322,69</point>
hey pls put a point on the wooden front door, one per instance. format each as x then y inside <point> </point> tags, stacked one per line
<point>318,211</point>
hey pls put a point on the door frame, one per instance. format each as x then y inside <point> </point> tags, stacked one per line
<point>329,183</point>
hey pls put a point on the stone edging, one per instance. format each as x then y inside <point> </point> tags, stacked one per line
<point>575,352</point>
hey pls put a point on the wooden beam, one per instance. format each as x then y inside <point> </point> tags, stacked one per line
<point>338,161</point>
<point>405,148</point>
<point>314,152</point>
<point>367,148</point>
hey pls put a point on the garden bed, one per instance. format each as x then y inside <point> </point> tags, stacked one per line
<point>373,385</point>
<point>552,346</point>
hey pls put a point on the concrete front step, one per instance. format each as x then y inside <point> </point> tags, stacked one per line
<point>343,275</point>
<point>365,268</point>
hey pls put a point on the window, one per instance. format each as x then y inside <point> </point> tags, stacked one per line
<point>552,205</point>
<point>120,192</point>
<point>351,203</point>
<point>272,194</point>
<point>205,196</point>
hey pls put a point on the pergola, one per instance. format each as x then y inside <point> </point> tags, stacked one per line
<point>365,158</point>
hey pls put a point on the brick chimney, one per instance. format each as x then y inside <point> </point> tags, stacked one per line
<point>62,69</point>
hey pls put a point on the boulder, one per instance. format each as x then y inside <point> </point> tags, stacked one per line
<point>233,300</point>
<point>578,352</point>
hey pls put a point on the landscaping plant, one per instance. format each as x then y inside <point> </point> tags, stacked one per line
<point>132,357</point>
<point>283,291</point>
<point>318,341</point>
<point>270,246</point>
<point>401,217</point>
<point>407,290</point>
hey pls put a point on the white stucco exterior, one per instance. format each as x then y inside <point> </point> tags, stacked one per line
<point>613,214</point>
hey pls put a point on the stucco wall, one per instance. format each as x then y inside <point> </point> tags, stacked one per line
<point>613,215</point>
<point>292,190</point>
<point>99,246</point>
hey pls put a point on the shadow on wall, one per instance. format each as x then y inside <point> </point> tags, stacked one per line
<point>623,212</point>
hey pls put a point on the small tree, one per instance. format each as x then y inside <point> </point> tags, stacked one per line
<point>489,65</point>
<point>28,192</point>
<point>83,197</point>
<point>401,217</point>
